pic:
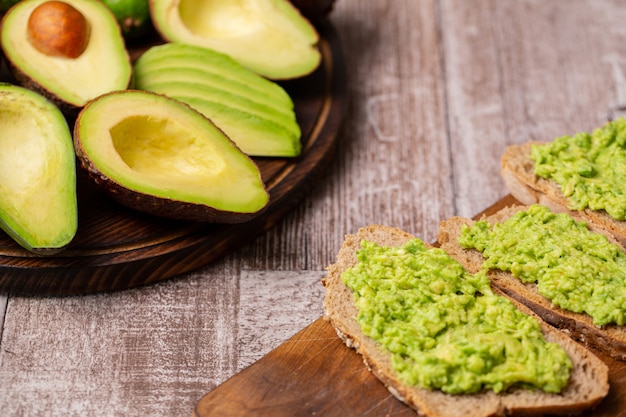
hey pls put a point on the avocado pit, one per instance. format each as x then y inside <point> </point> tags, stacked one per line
<point>56,28</point>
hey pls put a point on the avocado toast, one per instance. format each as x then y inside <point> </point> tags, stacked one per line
<point>582,174</point>
<point>604,333</point>
<point>586,386</point>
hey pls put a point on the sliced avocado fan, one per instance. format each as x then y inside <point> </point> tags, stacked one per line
<point>256,113</point>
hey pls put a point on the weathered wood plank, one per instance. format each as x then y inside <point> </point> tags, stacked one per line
<point>150,351</point>
<point>523,70</point>
<point>154,350</point>
<point>474,103</point>
<point>272,307</point>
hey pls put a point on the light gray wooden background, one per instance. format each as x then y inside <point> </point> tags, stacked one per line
<point>438,89</point>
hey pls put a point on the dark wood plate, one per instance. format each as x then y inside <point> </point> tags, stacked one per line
<point>315,373</point>
<point>117,248</point>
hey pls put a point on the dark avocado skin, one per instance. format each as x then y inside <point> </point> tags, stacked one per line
<point>161,207</point>
<point>157,206</point>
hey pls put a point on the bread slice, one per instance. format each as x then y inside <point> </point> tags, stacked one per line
<point>588,381</point>
<point>517,171</point>
<point>610,339</point>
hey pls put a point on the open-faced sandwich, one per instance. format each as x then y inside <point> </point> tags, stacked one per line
<point>573,278</point>
<point>584,174</point>
<point>444,340</point>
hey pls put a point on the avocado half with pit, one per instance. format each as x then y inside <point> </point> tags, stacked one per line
<point>70,51</point>
<point>159,156</point>
<point>254,112</point>
<point>269,37</point>
<point>38,204</point>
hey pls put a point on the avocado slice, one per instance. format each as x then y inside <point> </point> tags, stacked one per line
<point>254,112</point>
<point>184,89</point>
<point>254,136</point>
<point>158,155</point>
<point>212,64</point>
<point>38,204</point>
<point>157,75</point>
<point>269,37</point>
<point>103,66</point>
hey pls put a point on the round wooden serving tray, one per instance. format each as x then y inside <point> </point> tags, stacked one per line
<point>117,248</point>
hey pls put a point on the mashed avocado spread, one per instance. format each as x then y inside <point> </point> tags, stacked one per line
<point>445,328</point>
<point>576,269</point>
<point>589,168</point>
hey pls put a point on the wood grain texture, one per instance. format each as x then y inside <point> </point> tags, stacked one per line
<point>151,351</point>
<point>314,373</point>
<point>523,70</point>
<point>437,88</point>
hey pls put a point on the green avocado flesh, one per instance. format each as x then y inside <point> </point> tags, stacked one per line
<point>220,69</point>
<point>159,148</point>
<point>590,168</point>
<point>574,268</point>
<point>104,65</point>
<point>270,37</point>
<point>257,114</point>
<point>445,328</point>
<point>38,205</point>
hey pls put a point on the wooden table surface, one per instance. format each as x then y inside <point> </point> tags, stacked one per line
<point>438,89</point>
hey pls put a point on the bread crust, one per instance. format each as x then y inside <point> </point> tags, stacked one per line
<point>588,383</point>
<point>610,339</point>
<point>517,171</point>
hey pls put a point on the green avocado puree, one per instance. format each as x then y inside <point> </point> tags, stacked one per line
<point>589,168</point>
<point>445,328</point>
<point>576,269</point>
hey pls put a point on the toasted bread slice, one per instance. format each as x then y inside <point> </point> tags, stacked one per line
<point>588,382</point>
<point>517,171</point>
<point>610,339</point>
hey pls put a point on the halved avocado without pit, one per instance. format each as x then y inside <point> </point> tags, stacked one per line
<point>157,155</point>
<point>38,203</point>
<point>269,37</point>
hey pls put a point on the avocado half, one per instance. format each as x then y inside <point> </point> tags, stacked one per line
<point>103,66</point>
<point>269,37</point>
<point>254,112</point>
<point>159,156</point>
<point>38,204</point>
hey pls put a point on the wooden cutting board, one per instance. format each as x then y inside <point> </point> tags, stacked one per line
<point>117,248</point>
<point>314,373</point>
